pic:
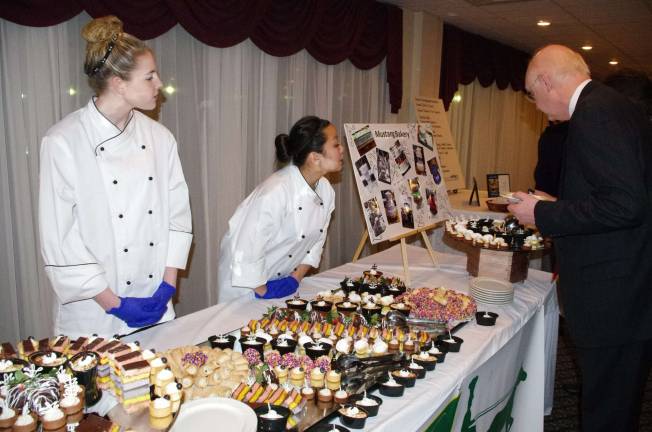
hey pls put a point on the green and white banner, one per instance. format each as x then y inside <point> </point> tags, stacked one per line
<point>505,393</point>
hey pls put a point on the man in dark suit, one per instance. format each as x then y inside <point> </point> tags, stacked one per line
<point>602,225</point>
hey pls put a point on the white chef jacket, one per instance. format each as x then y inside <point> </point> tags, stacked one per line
<point>113,212</point>
<point>280,225</point>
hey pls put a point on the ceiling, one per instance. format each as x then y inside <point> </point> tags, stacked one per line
<point>617,29</point>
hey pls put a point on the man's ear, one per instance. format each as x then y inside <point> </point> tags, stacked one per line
<point>546,81</point>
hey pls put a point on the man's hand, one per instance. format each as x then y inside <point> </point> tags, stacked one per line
<point>546,196</point>
<point>524,210</point>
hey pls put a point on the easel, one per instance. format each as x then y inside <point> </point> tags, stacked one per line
<point>406,271</point>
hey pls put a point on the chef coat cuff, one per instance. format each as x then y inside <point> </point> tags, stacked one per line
<point>312,260</point>
<point>248,274</point>
<point>77,282</point>
<point>178,249</point>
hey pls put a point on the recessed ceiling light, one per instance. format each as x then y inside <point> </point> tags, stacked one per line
<point>587,47</point>
<point>613,62</point>
<point>543,23</point>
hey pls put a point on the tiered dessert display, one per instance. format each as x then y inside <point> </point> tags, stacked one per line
<point>495,248</point>
<point>497,234</point>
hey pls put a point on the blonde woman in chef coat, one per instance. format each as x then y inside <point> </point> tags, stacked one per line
<point>277,233</point>
<point>114,213</point>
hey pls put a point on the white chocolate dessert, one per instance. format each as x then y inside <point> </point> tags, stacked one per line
<point>205,372</point>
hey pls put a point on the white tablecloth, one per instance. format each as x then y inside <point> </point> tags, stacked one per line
<point>416,407</point>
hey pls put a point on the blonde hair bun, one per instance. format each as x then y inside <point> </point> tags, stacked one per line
<point>102,30</point>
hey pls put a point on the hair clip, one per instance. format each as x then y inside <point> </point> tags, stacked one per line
<point>99,64</point>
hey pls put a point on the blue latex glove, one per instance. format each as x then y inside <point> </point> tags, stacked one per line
<point>138,311</point>
<point>164,293</point>
<point>280,288</point>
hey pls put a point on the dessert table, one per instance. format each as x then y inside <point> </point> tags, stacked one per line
<point>526,330</point>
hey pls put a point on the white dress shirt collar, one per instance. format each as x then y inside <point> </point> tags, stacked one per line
<point>576,96</point>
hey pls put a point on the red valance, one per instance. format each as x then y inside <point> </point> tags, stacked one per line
<point>363,31</point>
<point>467,56</point>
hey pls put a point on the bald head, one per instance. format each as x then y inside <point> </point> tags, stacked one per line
<point>552,76</point>
<point>560,62</point>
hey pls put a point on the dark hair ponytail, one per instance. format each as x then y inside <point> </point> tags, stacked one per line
<point>306,136</point>
<point>281,143</point>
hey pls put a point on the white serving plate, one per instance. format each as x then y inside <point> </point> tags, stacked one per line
<point>210,414</point>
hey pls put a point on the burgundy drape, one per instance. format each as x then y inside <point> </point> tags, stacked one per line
<point>466,56</point>
<point>363,31</point>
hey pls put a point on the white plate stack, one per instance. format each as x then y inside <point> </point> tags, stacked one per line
<point>492,291</point>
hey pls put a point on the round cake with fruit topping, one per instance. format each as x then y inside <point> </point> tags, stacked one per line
<point>439,304</point>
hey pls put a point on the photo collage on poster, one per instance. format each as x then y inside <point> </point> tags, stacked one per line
<point>397,173</point>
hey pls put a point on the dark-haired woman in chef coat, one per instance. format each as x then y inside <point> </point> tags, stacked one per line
<point>277,233</point>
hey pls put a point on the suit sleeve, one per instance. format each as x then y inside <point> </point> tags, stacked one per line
<point>72,270</point>
<point>180,237</point>
<point>609,157</point>
<point>262,217</point>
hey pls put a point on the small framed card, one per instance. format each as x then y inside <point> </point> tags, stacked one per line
<point>497,185</point>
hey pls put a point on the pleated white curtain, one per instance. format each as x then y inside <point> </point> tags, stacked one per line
<point>226,109</point>
<point>496,131</point>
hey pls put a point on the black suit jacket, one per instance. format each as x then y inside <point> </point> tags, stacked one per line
<point>602,223</point>
<point>551,151</point>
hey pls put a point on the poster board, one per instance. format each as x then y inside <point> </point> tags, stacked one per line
<point>397,172</point>
<point>430,110</point>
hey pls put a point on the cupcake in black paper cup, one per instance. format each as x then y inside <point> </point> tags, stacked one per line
<point>391,387</point>
<point>297,304</point>
<point>426,360</point>
<point>346,307</point>
<point>438,350</point>
<point>272,418</point>
<point>347,285</point>
<point>314,350</point>
<point>486,318</point>
<point>284,345</point>
<point>369,403</point>
<point>405,377</point>
<point>257,343</point>
<point>322,306</point>
<point>452,343</point>
<point>222,341</point>
<point>353,416</point>
<point>417,369</point>
<point>84,368</point>
<point>11,365</point>
<point>48,360</point>
<point>370,309</point>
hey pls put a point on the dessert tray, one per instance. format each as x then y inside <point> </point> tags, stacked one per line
<point>497,234</point>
